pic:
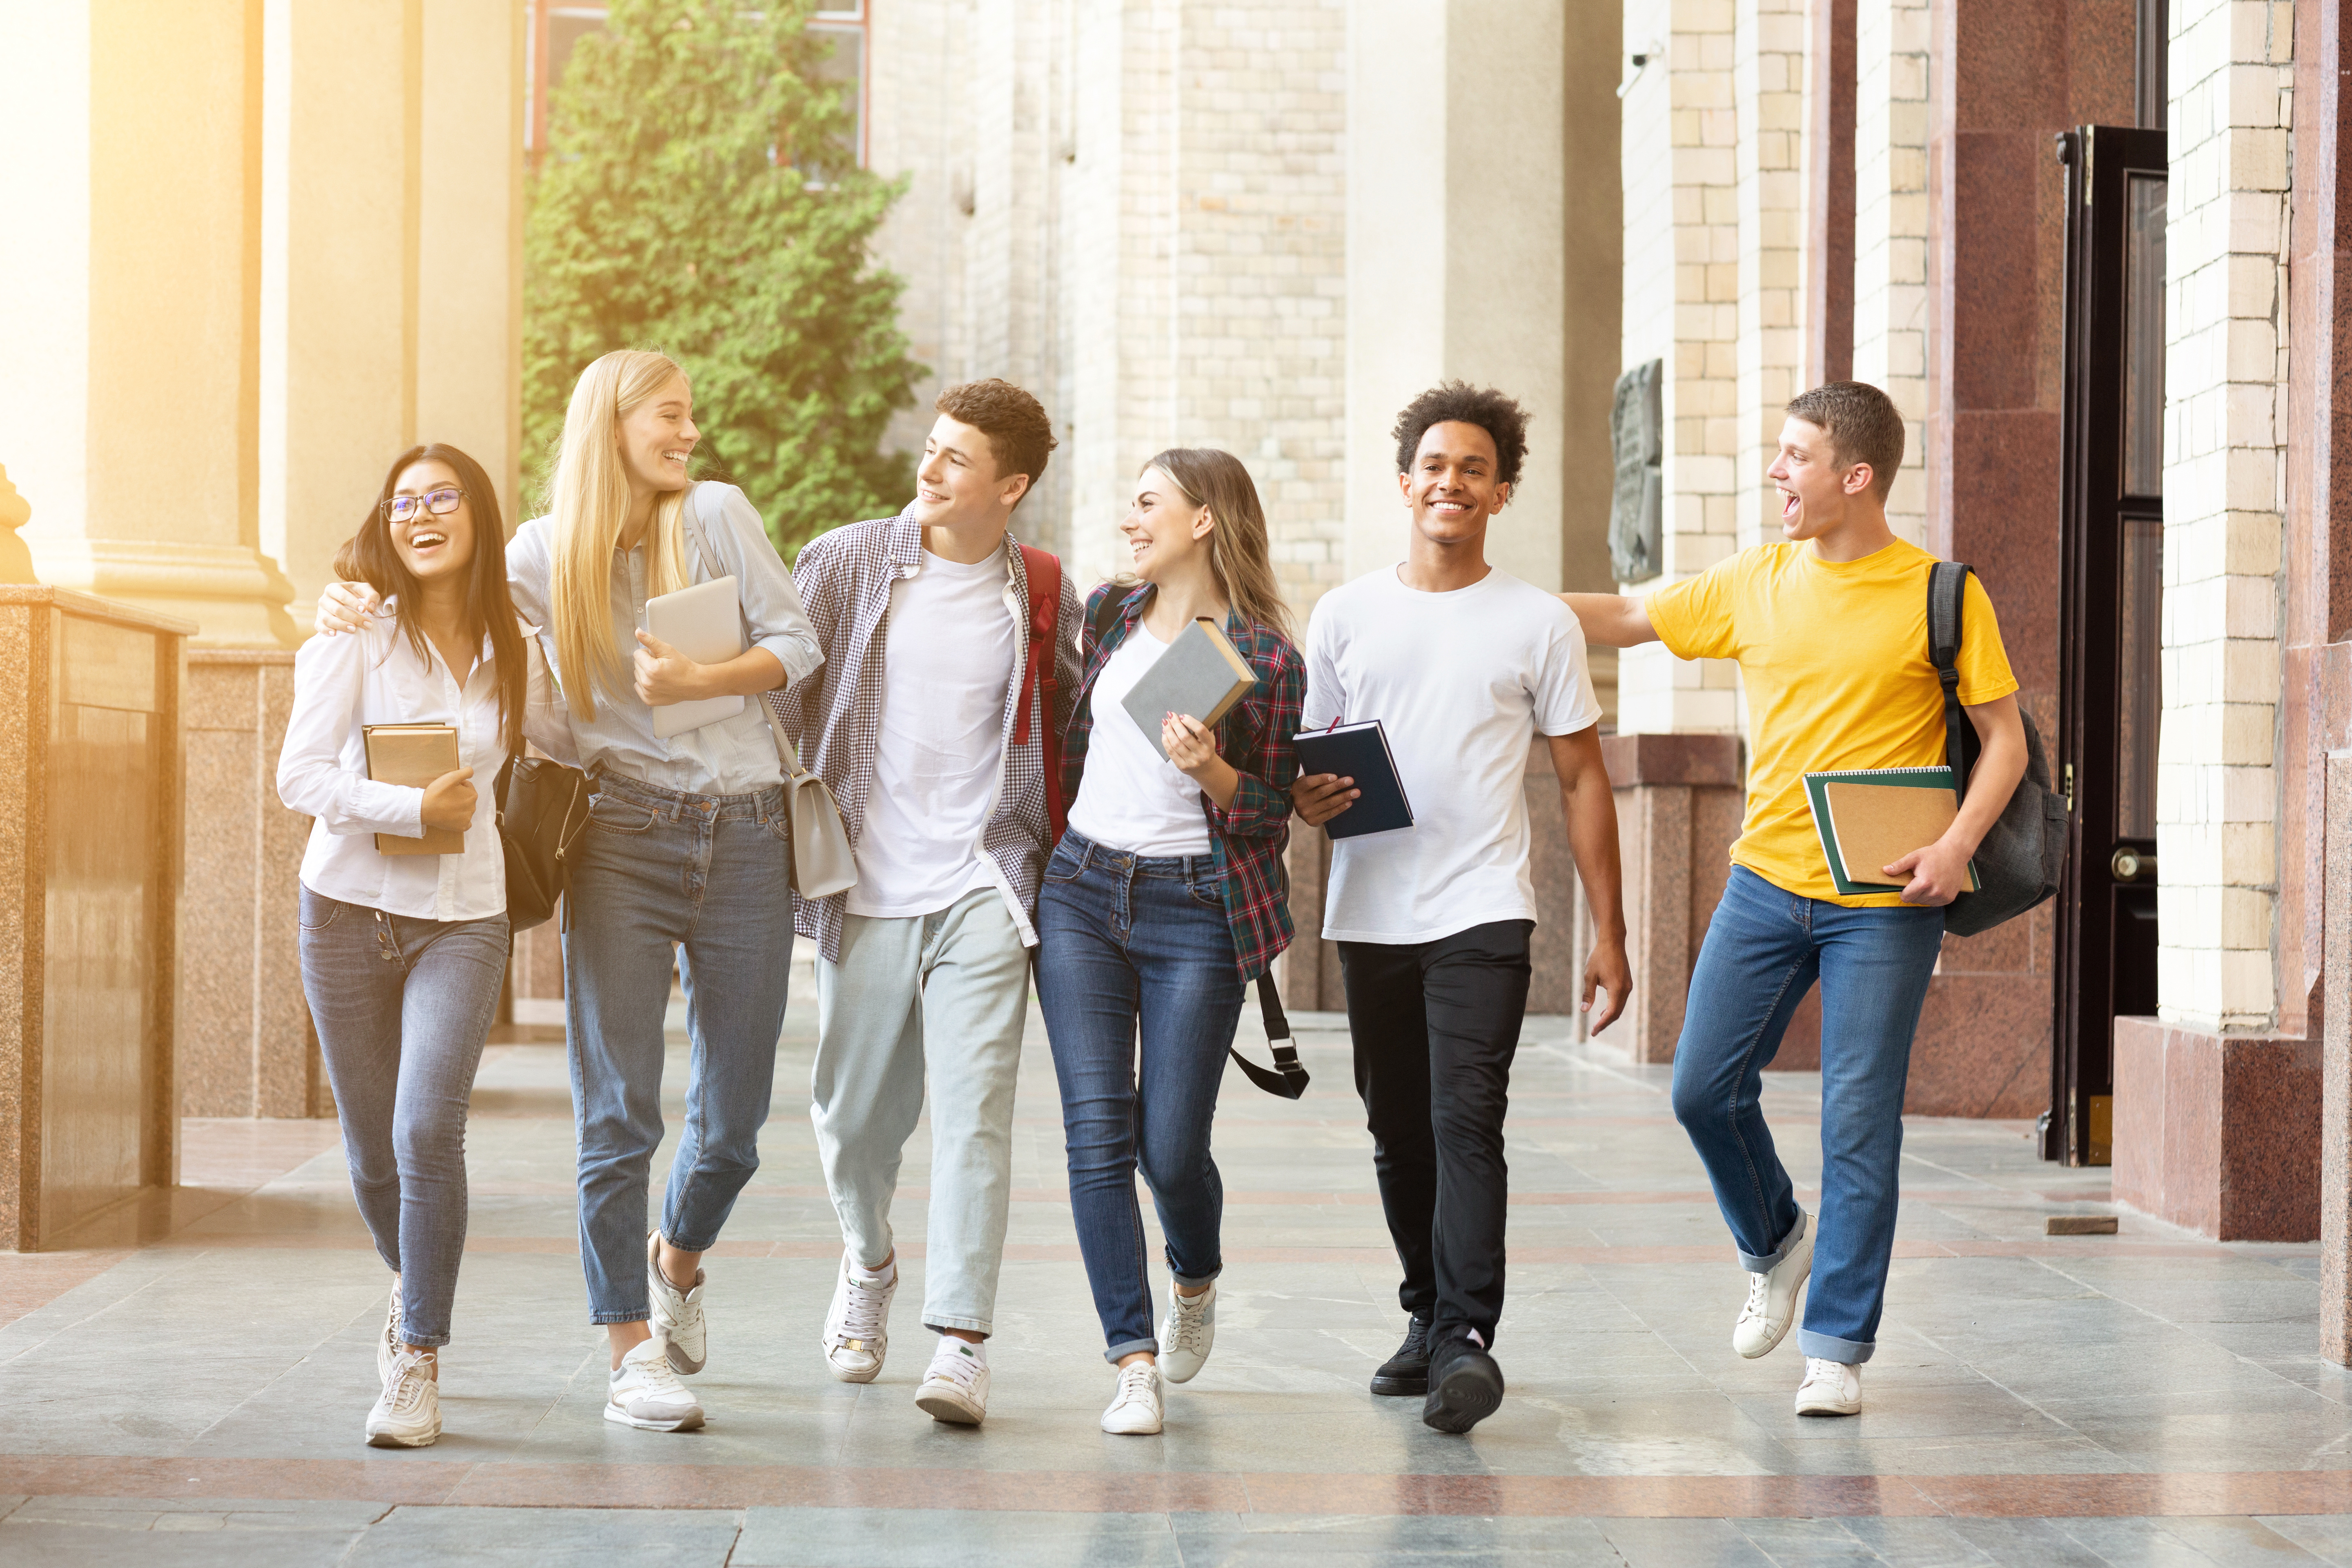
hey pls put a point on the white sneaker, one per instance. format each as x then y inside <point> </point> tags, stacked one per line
<point>857,1328</point>
<point>677,1315</point>
<point>407,1414</point>
<point>955,1387</point>
<point>1135,1408</point>
<point>644,1392</point>
<point>388,1345</point>
<point>1830,1388</point>
<point>1186,1336</point>
<point>1772,1297</point>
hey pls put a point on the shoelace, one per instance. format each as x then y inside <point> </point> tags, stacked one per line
<point>1192,1316</point>
<point>408,1381</point>
<point>1760,1298</point>
<point>862,1318</point>
<point>1820,1371</point>
<point>1134,1385</point>
<point>654,1376</point>
<point>957,1368</point>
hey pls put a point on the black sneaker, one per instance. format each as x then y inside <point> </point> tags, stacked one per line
<point>1407,1372</point>
<point>1464,1386</point>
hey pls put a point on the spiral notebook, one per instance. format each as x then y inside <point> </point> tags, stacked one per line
<point>1870,817</point>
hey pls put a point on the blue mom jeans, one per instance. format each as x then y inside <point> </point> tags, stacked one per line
<point>1764,950</point>
<point>1123,940</point>
<point>711,873</point>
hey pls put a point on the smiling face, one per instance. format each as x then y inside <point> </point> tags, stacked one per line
<point>1815,484</point>
<point>1165,528</point>
<point>1451,487</point>
<point>657,436</point>
<point>434,545</point>
<point>958,485</point>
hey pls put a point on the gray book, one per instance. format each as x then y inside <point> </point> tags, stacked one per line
<point>1201,676</point>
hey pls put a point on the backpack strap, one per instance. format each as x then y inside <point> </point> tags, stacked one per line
<point>1947,583</point>
<point>1287,1078</point>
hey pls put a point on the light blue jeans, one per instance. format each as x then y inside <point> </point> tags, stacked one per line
<point>1136,981</point>
<point>1764,950</point>
<point>946,992</point>
<point>713,875</point>
<point>402,1007</point>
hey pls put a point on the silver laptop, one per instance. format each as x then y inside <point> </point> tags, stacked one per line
<point>705,623</point>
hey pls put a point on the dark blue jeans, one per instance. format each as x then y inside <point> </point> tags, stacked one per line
<point>1764,950</point>
<point>712,874</point>
<point>1124,940</point>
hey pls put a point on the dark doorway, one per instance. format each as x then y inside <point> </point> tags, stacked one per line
<point>2111,596</point>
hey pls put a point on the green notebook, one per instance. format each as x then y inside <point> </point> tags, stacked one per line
<point>1872,818</point>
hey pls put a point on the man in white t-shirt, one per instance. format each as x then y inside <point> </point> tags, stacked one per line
<point>930,732</point>
<point>1463,665</point>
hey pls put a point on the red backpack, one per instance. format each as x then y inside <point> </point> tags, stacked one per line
<point>1045,571</point>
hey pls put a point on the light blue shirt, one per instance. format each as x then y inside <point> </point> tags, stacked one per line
<point>723,537</point>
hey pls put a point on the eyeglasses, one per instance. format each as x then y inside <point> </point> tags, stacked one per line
<point>440,503</point>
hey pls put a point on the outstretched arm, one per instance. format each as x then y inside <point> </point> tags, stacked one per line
<point>1592,839</point>
<point>1611,620</point>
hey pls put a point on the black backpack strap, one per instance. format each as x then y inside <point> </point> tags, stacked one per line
<point>1287,1078</point>
<point>1947,583</point>
<point>1107,610</point>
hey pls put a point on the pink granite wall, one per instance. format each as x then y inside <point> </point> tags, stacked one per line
<point>2218,1133</point>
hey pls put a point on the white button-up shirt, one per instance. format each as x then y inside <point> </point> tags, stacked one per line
<point>374,677</point>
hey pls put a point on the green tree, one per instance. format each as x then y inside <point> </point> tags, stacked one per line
<point>699,198</point>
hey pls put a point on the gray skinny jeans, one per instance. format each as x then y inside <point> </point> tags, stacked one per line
<point>402,1007</point>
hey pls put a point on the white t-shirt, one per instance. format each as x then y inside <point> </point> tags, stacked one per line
<point>950,650</point>
<point>1131,797</point>
<point>1461,682</point>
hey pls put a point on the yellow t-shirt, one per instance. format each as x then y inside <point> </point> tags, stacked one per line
<point>1834,656</point>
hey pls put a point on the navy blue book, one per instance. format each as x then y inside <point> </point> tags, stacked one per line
<point>1360,751</point>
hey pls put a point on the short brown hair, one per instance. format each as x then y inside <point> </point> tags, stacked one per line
<point>1862,424</point>
<point>1019,435</point>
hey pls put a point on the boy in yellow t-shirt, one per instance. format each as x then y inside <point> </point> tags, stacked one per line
<point>1830,627</point>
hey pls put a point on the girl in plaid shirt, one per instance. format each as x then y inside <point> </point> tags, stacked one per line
<point>1163,901</point>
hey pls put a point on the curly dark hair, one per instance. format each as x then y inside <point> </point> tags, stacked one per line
<point>1459,402</point>
<point>1018,433</point>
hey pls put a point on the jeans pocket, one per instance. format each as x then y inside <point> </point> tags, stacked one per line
<point>318,911</point>
<point>614,814</point>
<point>1065,864</point>
<point>1209,894</point>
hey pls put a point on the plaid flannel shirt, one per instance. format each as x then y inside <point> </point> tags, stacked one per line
<point>844,579</point>
<point>1255,738</point>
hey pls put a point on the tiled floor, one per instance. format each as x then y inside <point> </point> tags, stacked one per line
<point>188,1386</point>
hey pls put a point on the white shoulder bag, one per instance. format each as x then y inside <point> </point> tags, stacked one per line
<point>823,862</point>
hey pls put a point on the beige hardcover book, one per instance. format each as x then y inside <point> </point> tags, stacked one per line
<point>1202,674</point>
<point>415,755</point>
<point>1877,825</point>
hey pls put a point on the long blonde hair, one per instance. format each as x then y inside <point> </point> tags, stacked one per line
<point>588,503</point>
<point>1237,541</point>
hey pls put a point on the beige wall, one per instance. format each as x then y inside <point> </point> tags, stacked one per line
<point>282,239</point>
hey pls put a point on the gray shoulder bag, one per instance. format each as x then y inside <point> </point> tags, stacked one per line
<point>822,861</point>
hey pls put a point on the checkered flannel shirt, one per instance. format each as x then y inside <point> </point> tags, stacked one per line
<point>1256,737</point>
<point>844,579</point>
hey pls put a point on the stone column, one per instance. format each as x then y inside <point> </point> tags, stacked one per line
<point>1680,150</point>
<point>1768,93</point>
<point>134,435</point>
<point>1890,231</point>
<point>1679,799</point>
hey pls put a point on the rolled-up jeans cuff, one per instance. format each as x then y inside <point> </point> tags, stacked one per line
<point>1189,1281</point>
<point>1853,1353</point>
<point>1130,1347</point>
<point>1766,1265</point>
<point>942,1324</point>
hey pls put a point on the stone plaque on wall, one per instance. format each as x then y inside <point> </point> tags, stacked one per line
<point>1636,505</point>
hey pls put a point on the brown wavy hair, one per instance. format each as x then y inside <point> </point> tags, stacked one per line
<point>1237,541</point>
<point>370,557</point>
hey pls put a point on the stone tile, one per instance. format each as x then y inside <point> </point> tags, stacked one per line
<point>548,1537</point>
<point>2325,1537</point>
<point>1682,1544</point>
<point>948,1538</point>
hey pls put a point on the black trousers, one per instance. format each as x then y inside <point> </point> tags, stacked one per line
<point>1435,1024</point>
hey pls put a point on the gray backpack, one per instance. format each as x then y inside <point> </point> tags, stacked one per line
<point>2019,861</point>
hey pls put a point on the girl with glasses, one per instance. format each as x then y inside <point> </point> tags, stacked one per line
<point>402,955</point>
